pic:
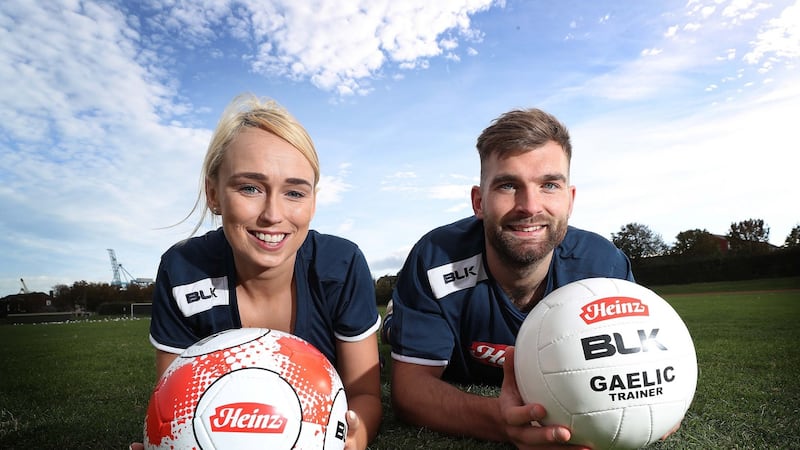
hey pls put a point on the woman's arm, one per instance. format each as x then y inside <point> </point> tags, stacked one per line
<point>359,369</point>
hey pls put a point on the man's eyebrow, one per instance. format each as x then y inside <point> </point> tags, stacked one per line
<point>553,177</point>
<point>506,178</point>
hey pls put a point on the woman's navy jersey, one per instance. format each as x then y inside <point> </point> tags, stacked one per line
<point>195,293</point>
<point>449,311</point>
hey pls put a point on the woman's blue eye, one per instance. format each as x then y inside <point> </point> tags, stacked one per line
<point>249,189</point>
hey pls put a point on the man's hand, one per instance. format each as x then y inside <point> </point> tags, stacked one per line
<point>522,421</point>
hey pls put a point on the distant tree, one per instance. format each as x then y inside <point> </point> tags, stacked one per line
<point>383,289</point>
<point>64,295</point>
<point>639,241</point>
<point>696,243</point>
<point>748,236</point>
<point>793,239</point>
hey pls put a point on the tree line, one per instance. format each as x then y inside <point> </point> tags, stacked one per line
<point>747,237</point>
<point>697,255</point>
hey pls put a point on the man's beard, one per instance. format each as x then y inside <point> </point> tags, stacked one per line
<point>519,253</point>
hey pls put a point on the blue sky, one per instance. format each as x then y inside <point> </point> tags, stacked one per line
<point>683,115</point>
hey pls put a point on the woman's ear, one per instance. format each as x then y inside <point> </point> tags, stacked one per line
<point>212,196</point>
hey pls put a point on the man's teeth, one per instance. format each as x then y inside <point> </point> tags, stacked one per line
<point>530,229</point>
<point>270,238</point>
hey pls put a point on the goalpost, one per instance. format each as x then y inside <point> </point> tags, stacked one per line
<point>141,309</point>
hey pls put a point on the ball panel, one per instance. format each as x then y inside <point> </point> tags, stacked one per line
<point>251,388</point>
<point>252,407</point>
<point>336,429</point>
<point>602,356</point>
<point>639,343</point>
<point>596,430</point>
<point>224,340</point>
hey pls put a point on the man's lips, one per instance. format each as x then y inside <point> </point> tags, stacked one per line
<point>526,228</point>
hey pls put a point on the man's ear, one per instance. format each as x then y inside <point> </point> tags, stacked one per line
<point>477,201</point>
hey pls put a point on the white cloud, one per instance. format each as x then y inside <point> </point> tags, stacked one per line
<point>450,191</point>
<point>779,40</point>
<point>338,46</point>
<point>663,171</point>
<point>639,79</point>
<point>331,187</point>
<point>707,11</point>
<point>692,26</point>
<point>651,51</point>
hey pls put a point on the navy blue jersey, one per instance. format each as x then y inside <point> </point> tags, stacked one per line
<point>195,293</point>
<point>449,311</point>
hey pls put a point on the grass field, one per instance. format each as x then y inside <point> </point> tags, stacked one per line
<point>86,384</point>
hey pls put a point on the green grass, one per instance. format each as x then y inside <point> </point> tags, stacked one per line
<point>86,385</point>
<point>76,385</point>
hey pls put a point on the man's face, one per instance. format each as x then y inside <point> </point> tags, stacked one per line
<point>525,201</point>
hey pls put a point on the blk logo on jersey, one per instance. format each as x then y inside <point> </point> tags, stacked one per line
<point>488,353</point>
<point>201,295</point>
<point>456,276</point>
<point>192,297</point>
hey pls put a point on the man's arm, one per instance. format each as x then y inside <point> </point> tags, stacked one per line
<point>422,398</point>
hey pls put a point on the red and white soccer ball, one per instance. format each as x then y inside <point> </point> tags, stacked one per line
<point>248,388</point>
<point>609,359</point>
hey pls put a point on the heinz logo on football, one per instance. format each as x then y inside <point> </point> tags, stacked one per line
<point>611,308</point>
<point>247,418</point>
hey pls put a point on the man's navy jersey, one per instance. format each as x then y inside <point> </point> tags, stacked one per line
<point>449,311</point>
<point>195,293</point>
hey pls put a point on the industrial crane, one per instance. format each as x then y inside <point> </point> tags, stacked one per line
<point>119,271</point>
<point>116,281</point>
<point>24,289</point>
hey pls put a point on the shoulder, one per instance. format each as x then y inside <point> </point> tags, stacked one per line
<point>456,240</point>
<point>328,247</point>
<point>210,246</point>
<point>578,242</point>
<point>584,254</point>
<point>331,257</point>
<point>449,257</point>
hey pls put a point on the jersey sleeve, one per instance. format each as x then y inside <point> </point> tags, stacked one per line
<point>420,333</point>
<point>168,329</point>
<point>357,313</point>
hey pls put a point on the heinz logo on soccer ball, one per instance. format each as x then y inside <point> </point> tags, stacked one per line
<point>613,307</point>
<point>247,418</point>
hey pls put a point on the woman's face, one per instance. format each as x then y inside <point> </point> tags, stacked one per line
<point>265,192</point>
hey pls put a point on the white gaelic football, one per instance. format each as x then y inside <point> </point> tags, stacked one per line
<point>609,359</point>
<point>248,388</point>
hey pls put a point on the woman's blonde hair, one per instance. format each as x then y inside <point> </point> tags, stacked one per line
<point>249,111</point>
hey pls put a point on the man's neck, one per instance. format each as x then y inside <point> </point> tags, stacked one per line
<point>524,285</point>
